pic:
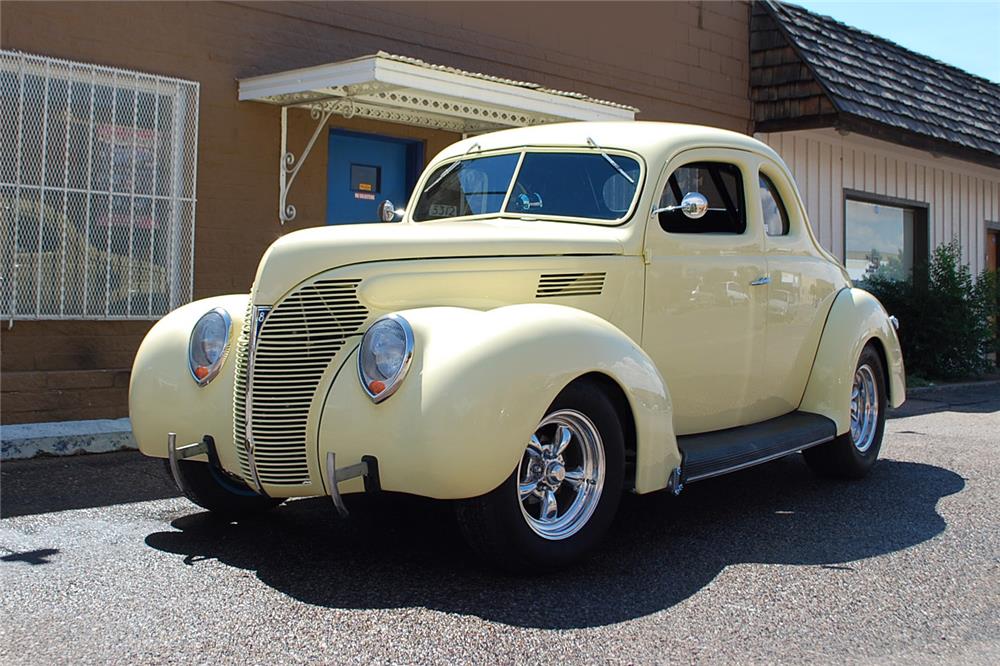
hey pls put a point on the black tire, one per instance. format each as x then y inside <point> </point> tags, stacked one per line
<point>841,458</point>
<point>225,497</point>
<point>498,530</point>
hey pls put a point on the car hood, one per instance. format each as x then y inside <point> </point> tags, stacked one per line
<point>302,254</point>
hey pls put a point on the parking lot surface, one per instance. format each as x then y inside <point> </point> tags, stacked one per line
<point>100,561</point>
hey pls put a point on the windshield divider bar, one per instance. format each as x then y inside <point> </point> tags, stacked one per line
<point>513,181</point>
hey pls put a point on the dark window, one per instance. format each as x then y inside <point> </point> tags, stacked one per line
<point>574,185</point>
<point>366,178</point>
<point>721,184</point>
<point>775,215</point>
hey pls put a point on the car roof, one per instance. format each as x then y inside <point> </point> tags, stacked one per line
<point>643,137</point>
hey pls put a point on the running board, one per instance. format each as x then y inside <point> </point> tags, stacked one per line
<point>713,453</point>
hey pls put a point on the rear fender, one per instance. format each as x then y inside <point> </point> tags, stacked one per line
<point>856,318</point>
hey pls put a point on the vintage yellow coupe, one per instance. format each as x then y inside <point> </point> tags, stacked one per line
<point>561,314</point>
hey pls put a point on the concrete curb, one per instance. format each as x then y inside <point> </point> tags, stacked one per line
<point>922,390</point>
<point>64,438</point>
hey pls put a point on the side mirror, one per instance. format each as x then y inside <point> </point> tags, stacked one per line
<point>693,205</point>
<point>387,212</point>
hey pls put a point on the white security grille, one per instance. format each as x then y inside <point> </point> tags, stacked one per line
<point>97,190</point>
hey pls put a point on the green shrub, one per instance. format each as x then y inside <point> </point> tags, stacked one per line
<point>946,315</point>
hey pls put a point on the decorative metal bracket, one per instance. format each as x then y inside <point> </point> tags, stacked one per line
<point>289,167</point>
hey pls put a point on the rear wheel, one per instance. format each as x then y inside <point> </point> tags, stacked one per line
<point>560,500</point>
<point>223,496</point>
<point>853,454</point>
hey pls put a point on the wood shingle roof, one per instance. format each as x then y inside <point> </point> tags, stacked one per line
<point>809,70</point>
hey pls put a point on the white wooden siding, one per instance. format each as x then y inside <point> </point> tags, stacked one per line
<point>961,196</point>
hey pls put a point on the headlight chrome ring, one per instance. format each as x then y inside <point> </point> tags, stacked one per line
<point>384,356</point>
<point>208,345</point>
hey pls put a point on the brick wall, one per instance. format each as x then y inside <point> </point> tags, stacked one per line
<point>685,62</point>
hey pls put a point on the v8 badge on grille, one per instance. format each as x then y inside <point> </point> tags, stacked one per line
<point>260,313</point>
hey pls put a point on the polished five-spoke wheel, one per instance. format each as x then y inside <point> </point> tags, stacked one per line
<point>561,475</point>
<point>864,408</point>
<point>561,497</point>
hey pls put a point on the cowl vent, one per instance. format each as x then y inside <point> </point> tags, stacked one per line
<point>570,284</point>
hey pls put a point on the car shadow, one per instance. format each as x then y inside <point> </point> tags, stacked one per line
<point>981,399</point>
<point>401,552</point>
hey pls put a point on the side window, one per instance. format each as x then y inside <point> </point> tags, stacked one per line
<point>721,184</point>
<point>775,215</point>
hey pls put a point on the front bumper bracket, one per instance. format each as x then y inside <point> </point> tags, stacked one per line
<point>368,468</point>
<point>175,454</point>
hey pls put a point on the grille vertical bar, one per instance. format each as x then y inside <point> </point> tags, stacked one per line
<point>296,344</point>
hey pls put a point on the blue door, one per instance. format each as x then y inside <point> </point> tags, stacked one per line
<point>364,169</point>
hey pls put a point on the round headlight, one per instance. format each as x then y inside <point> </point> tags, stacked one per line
<point>384,356</point>
<point>208,344</point>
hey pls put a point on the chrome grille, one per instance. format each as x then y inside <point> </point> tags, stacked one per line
<point>296,343</point>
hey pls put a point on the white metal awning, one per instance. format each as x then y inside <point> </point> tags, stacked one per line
<point>408,91</point>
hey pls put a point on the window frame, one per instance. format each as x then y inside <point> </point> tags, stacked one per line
<point>921,217</point>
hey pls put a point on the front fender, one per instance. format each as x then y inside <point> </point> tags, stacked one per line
<point>163,396</point>
<point>477,387</point>
<point>855,318</point>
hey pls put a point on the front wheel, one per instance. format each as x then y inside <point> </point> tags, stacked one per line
<point>560,500</point>
<point>853,454</point>
<point>224,497</point>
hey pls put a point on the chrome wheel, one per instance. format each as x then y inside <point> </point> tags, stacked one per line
<point>561,475</point>
<point>864,408</point>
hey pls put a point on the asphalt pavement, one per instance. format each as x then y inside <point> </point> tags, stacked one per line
<point>101,561</point>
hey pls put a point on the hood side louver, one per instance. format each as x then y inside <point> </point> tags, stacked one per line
<point>570,284</point>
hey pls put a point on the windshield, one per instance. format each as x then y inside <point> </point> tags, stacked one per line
<point>581,185</point>
<point>466,187</point>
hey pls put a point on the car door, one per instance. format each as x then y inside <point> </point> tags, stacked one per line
<point>704,302</point>
<point>799,296</point>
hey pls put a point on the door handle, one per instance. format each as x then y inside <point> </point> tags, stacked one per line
<point>761,280</point>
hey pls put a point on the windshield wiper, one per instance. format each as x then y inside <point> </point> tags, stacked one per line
<point>452,167</point>
<point>593,144</point>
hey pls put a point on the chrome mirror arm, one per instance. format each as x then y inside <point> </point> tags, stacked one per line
<point>693,205</point>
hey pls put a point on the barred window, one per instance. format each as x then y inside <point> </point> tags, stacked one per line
<point>97,190</point>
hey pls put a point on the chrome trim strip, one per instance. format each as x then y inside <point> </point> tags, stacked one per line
<point>758,461</point>
<point>260,313</point>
